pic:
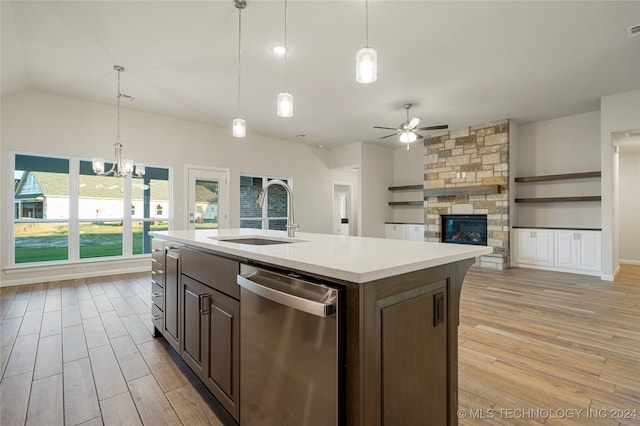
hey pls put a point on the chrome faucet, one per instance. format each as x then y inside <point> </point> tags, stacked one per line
<point>291,226</point>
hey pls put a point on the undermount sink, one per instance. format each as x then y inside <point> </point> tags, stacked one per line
<point>256,240</point>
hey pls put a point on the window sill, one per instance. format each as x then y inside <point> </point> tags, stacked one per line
<point>54,266</point>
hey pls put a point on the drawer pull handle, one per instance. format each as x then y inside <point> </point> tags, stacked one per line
<point>156,317</point>
<point>204,303</point>
<point>154,295</point>
<point>159,271</point>
<point>157,250</point>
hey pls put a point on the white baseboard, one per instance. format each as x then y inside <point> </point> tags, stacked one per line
<point>553,268</point>
<point>629,262</point>
<point>70,272</point>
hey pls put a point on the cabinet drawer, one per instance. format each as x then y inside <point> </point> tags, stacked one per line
<point>157,277</point>
<point>156,317</point>
<point>157,295</point>
<point>214,271</point>
<point>157,252</point>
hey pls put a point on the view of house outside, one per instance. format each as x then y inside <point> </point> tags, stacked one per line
<point>273,214</point>
<point>47,213</point>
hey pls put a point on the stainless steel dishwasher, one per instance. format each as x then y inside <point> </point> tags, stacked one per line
<point>291,340</point>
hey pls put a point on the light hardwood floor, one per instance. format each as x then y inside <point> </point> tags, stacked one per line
<point>81,352</point>
<point>537,347</point>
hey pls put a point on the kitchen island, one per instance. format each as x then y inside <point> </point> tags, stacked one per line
<point>398,321</point>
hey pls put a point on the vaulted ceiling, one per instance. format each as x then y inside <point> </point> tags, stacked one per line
<point>459,63</point>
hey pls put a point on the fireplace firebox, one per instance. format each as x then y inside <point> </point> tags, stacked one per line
<point>464,229</point>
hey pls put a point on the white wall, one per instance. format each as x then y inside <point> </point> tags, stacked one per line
<point>376,175</point>
<point>40,122</point>
<point>562,145</point>
<point>617,113</point>
<point>629,207</point>
<point>408,169</point>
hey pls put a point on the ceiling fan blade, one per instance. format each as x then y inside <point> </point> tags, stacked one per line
<point>418,136</point>
<point>414,122</point>
<point>385,128</point>
<point>388,136</point>
<point>442,126</point>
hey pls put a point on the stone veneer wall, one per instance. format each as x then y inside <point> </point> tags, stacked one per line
<point>482,153</point>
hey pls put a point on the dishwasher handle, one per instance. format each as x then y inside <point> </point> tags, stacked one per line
<point>320,309</point>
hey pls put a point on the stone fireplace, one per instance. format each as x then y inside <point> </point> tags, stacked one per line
<point>466,173</point>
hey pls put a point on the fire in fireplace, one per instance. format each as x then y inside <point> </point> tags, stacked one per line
<point>464,229</point>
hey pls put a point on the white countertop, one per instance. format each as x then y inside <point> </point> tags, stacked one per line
<point>355,259</point>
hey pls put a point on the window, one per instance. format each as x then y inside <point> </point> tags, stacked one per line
<point>272,214</point>
<point>69,213</point>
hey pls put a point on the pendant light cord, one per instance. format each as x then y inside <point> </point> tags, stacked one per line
<point>118,110</point>
<point>239,55</point>
<point>285,46</point>
<point>366,24</point>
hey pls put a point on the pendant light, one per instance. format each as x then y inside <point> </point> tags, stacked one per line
<point>120,167</point>
<point>239,125</point>
<point>367,57</point>
<point>285,99</point>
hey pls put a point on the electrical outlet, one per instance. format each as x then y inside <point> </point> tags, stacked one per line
<point>458,175</point>
<point>464,174</point>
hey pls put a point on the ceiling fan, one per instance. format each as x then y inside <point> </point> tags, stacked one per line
<point>408,130</point>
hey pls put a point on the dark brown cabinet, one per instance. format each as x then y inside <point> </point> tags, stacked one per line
<point>210,324</point>
<point>222,372</point>
<point>193,338</point>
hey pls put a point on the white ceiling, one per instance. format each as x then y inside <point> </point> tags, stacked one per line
<point>460,63</point>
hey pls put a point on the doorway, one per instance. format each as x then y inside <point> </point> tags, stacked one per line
<point>341,223</point>
<point>208,198</point>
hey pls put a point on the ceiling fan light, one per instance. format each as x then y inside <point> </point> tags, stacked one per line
<point>408,137</point>
<point>239,128</point>
<point>285,104</point>
<point>366,65</point>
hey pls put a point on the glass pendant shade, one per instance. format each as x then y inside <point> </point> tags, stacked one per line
<point>98,165</point>
<point>285,104</point>
<point>239,128</point>
<point>140,169</point>
<point>366,65</point>
<point>408,137</point>
<point>127,167</point>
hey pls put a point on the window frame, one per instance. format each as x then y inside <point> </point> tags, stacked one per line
<point>74,220</point>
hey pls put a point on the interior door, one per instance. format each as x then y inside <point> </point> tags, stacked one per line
<point>341,209</point>
<point>208,206</point>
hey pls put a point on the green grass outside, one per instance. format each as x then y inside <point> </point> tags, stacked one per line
<point>96,240</point>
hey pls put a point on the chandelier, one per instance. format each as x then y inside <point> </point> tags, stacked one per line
<point>120,167</point>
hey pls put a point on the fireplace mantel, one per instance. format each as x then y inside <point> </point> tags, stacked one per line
<point>462,190</point>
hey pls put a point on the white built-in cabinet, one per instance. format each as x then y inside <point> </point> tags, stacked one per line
<point>577,251</point>
<point>534,247</point>
<point>404,231</point>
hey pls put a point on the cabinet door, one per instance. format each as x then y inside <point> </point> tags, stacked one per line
<point>544,247</point>
<point>414,232</point>
<point>525,253</point>
<point>565,249</point>
<point>223,332</point>
<point>410,360</point>
<point>172,301</point>
<point>394,231</point>
<point>589,251</point>
<point>193,327</point>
